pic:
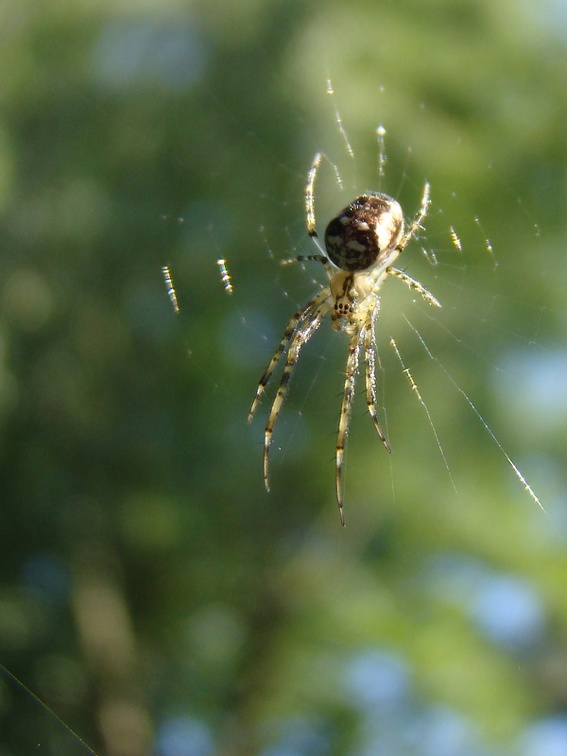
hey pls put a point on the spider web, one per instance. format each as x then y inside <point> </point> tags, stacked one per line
<point>459,392</point>
<point>423,354</point>
<point>485,367</point>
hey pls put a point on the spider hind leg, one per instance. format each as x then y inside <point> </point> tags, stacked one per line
<point>370,358</point>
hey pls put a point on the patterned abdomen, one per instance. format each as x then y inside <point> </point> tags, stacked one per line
<point>364,233</point>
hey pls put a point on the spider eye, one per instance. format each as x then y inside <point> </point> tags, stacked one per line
<point>364,233</point>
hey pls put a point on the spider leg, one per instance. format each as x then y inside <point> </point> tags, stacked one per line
<point>370,357</point>
<point>294,323</point>
<point>301,337</point>
<point>415,225</point>
<point>309,194</point>
<point>304,258</point>
<point>413,284</point>
<point>329,270</point>
<point>344,417</point>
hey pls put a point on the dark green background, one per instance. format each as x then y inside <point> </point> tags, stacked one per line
<point>151,593</point>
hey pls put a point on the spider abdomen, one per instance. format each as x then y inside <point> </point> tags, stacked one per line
<point>365,233</point>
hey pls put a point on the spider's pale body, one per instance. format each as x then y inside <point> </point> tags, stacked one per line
<point>361,243</point>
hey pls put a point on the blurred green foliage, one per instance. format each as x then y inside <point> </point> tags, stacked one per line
<point>151,594</point>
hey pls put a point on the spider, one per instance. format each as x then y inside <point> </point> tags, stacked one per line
<point>361,243</point>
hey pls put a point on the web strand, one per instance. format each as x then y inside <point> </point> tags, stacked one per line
<point>420,399</point>
<point>529,490</point>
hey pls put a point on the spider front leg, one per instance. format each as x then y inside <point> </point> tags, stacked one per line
<point>411,283</point>
<point>301,337</point>
<point>418,219</point>
<point>329,270</point>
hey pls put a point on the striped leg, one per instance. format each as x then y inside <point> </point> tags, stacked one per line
<point>329,270</point>
<point>344,417</point>
<point>295,323</point>
<point>370,357</point>
<point>302,336</point>
<point>413,284</point>
<point>418,218</point>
